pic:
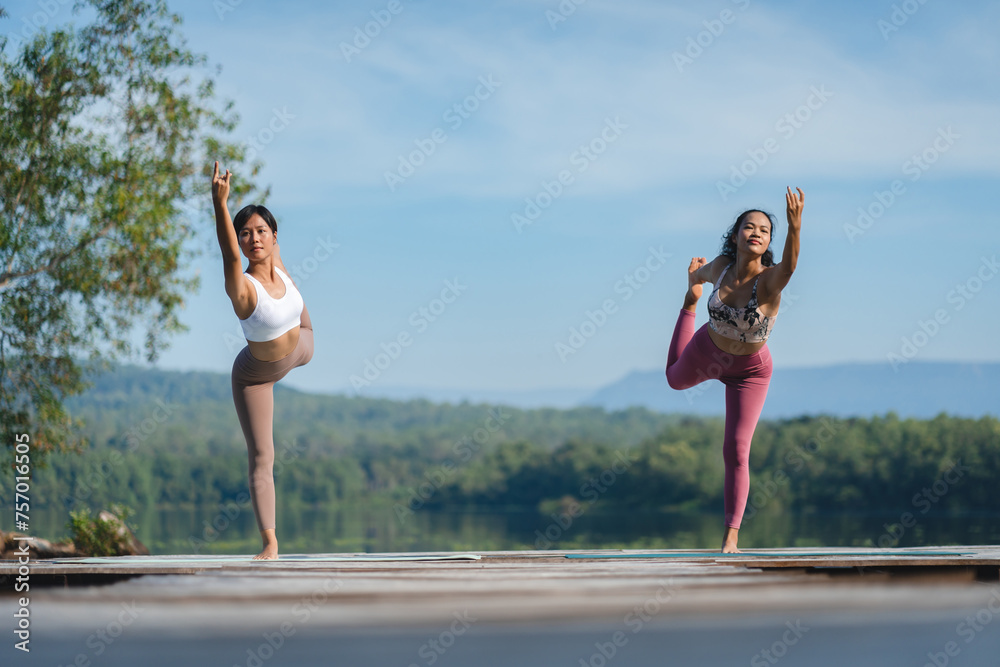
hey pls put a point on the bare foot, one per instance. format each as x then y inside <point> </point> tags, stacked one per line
<point>270,551</point>
<point>694,284</point>
<point>729,541</point>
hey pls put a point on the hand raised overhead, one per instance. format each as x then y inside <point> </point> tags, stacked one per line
<point>220,185</point>
<point>795,204</point>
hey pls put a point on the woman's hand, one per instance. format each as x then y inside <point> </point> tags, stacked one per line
<point>775,280</point>
<point>795,203</point>
<point>220,186</point>
<point>694,276</point>
<point>237,287</point>
<point>695,279</point>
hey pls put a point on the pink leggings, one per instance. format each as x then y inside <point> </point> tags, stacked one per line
<point>694,358</point>
<point>253,394</point>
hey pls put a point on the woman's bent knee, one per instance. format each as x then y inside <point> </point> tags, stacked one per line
<point>676,382</point>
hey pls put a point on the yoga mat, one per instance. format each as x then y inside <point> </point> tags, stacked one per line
<point>783,554</point>
<point>187,560</point>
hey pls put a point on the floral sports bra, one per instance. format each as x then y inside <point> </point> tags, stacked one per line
<point>743,324</point>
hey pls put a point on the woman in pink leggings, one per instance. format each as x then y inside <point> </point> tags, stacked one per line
<point>279,338</point>
<point>731,347</point>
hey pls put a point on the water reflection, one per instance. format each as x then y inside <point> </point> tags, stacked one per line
<point>232,530</point>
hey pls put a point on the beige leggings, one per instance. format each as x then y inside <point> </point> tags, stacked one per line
<point>253,394</point>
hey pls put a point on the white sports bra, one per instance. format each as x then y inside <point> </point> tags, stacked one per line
<point>273,317</point>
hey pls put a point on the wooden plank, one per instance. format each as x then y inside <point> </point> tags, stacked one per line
<point>554,564</point>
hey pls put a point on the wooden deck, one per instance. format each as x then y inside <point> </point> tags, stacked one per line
<point>540,607</point>
<point>984,561</point>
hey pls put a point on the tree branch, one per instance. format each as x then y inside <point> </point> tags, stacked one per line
<point>7,277</point>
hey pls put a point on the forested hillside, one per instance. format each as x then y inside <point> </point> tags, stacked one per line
<point>163,439</point>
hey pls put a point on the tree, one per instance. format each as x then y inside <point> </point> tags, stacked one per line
<point>106,136</point>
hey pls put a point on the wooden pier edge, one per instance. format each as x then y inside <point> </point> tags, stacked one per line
<point>982,562</point>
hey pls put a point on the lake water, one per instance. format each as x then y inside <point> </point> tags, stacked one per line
<point>232,530</point>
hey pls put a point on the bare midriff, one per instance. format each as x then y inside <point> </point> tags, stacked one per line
<point>272,350</point>
<point>735,347</point>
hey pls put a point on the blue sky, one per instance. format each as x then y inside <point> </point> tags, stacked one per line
<point>663,120</point>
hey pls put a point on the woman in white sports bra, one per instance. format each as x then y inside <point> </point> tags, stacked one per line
<point>732,347</point>
<point>279,338</point>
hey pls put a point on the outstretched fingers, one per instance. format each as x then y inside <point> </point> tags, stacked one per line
<point>794,203</point>
<point>220,185</point>
<point>220,179</point>
<point>794,199</point>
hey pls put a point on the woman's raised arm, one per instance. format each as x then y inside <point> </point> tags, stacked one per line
<point>236,285</point>
<point>776,279</point>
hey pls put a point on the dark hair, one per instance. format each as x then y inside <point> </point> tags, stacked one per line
<point>729,246</point>
<point>248,212</point>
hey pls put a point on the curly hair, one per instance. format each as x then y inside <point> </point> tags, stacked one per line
<point>729,246</point>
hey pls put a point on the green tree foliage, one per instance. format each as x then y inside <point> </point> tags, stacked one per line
<point>97,536</point>
<point>106,135</point>
<point>164,440</point>
<point>171,440</point>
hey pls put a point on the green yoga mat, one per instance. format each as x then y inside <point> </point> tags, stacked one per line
<point>783,554</point>
<point>218,560</point>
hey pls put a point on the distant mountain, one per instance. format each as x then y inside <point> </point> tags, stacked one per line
<point>560,398</point>
<point>918,389</point>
